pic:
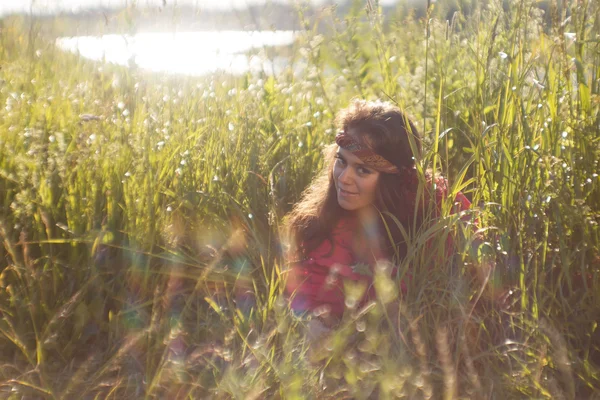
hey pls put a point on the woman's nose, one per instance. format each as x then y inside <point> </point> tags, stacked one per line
<point>345,176</point>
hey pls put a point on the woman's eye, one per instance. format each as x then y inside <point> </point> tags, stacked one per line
<point>364,171</point>
<point>340,160</point>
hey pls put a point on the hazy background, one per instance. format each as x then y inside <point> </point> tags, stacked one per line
<point>57,6</point>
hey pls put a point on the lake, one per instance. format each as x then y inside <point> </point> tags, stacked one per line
<point>189,53</point>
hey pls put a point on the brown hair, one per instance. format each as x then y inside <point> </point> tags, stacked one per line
<point>388,132</point>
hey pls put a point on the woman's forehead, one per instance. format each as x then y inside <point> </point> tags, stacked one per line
<point>348,156</point>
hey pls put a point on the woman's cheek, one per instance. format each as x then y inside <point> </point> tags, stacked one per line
<point>336,172</point>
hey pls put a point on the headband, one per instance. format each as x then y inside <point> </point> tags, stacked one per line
<point>365,153</point>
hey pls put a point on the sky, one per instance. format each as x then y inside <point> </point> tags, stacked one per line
<point>53,6</point>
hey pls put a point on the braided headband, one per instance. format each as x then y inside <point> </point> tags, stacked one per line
<point>366,155</point>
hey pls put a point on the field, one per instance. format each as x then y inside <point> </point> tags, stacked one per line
<point>141,215</point>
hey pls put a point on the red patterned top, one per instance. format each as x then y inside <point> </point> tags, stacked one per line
<point>318,280</point>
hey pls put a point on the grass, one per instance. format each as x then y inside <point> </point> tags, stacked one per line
<point>140,215</point>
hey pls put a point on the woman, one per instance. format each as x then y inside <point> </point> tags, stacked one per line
<point>342,225</point>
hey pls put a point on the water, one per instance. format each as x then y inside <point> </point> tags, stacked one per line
<point>189,53</point>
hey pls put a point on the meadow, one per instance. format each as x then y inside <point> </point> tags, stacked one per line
<point>141,214</point>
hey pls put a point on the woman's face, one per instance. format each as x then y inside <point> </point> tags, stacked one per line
<point>355,183</point>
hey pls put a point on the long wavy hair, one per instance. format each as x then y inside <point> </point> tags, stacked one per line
<point>389,133</point>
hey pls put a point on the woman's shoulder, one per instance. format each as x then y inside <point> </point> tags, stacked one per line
<point>462,202</point>
<point>440,184</point>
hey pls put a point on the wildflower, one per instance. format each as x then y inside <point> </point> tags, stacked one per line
<point>316,41</point>
<point>88,117</point>
<point>503,55</point>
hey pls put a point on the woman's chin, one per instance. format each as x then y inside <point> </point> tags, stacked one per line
<point>347,205</point>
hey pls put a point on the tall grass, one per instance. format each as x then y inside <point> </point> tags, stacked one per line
<point>141,213</point>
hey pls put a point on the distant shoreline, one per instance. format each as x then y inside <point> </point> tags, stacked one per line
<point>180,19</point>
<point>267,17</point>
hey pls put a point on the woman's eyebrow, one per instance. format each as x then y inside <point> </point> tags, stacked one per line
<point>359,163</point>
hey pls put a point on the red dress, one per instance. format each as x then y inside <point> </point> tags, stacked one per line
<point>318,279</point>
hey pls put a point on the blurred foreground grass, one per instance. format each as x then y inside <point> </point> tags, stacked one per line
<point>140,215</point>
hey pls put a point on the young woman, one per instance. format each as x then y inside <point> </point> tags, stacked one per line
<point>342,226</point>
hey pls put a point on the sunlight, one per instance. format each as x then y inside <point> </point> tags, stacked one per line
<point>190,53</point>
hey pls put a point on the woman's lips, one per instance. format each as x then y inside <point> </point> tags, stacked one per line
<point>347,193</point>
